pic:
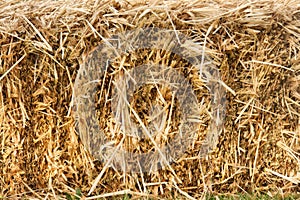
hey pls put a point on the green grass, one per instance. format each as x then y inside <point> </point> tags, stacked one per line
<point>74,197</point>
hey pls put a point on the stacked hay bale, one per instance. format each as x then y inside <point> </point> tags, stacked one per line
<point>254,44</point>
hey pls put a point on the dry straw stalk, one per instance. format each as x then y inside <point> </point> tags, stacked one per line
<point>255,44</point>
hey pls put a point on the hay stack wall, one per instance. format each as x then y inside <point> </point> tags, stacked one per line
<point>254,44</point>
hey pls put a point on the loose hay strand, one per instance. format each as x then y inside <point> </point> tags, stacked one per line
<point>13,66</point>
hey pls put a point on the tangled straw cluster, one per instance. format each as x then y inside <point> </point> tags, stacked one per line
<point>169,68</point>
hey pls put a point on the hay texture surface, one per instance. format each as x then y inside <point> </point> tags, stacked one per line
<point>255,45</point>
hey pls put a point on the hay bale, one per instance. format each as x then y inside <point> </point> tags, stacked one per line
<point>254,44</point>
